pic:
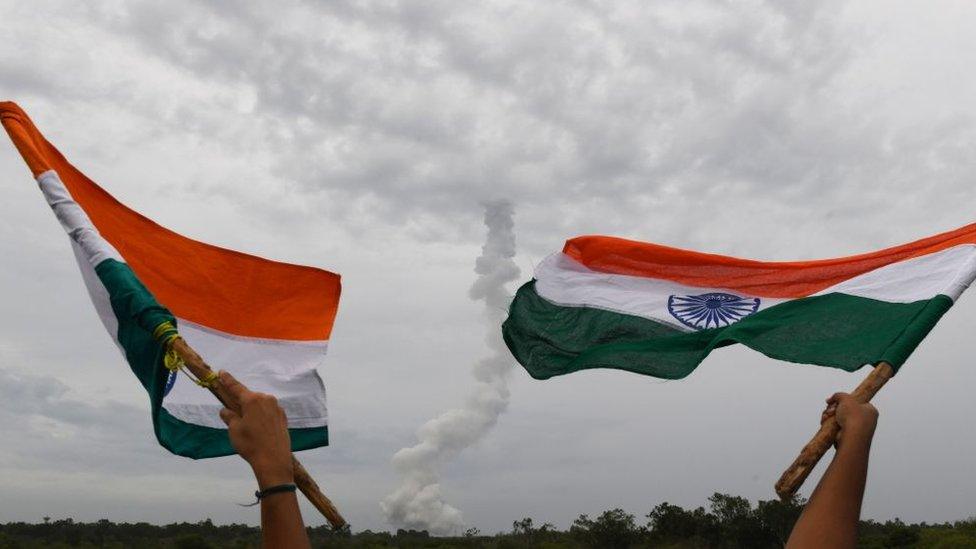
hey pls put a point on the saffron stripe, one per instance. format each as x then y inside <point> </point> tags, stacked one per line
<point>788,279</point>
<point>244,294</point>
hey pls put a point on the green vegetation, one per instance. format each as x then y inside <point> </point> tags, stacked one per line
<point>728,522</point>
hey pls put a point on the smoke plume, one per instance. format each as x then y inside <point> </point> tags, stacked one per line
<point>417,503</point>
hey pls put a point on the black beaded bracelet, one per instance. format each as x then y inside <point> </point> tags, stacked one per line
<point>261,494</point>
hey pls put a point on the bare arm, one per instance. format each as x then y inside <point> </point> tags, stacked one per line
<point>281,522</point>
<point>830,518</point>
<point>260,436</point>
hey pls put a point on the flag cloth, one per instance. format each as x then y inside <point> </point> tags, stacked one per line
<point>607,302</point>
<point>267,323</point>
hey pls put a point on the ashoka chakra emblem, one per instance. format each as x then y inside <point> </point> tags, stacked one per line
<point>170,381</point>
<point>711,310</point>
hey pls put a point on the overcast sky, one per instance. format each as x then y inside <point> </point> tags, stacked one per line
<point>361,136</point>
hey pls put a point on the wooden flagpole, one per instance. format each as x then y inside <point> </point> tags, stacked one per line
<point>196,365</point>
<point>793,477</point>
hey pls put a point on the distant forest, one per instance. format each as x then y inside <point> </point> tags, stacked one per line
<point>727,522</point>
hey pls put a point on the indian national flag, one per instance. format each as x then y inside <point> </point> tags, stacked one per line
<point>607,302</point>
<point>268,323</point>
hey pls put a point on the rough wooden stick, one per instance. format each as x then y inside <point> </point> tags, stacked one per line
<point>794,476</point>
<point>303,480</point>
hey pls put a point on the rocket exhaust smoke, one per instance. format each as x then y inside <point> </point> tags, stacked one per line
<point>417,503</point>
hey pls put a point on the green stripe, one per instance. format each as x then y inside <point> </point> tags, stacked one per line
<point>138,313</point>
<point>198,442</point>
<point>835,330</point>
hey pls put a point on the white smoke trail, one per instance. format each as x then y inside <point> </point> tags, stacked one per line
<point>417,503</point>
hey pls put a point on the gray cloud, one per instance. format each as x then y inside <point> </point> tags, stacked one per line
<point>394,110</point>
<point>400,113</point>
<point>390,113</point>
<point>52,429</point>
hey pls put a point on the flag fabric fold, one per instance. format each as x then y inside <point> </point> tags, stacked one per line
<point>606,302</point>
<point>266,322</point>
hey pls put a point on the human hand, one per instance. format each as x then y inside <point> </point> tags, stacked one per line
<point>259,433</point>
<point>857,420</point>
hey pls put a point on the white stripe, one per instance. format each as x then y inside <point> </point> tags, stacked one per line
<point>89,247</point>
<point>99,296</point>
<point>285,369</point>
<point>75,221</point>
<point>947,272</point>
<point>564,281</point>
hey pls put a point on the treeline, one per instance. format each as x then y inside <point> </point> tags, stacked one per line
<point>727,522</point>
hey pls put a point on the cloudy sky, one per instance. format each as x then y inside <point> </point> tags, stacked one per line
<point>362,136</point>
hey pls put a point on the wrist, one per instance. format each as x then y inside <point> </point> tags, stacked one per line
<point>857,433</point>
<point>861,426</point>
<point>273,475</point>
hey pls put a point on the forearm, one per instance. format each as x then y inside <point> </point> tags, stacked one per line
<point>259,432</point>
<point>830,518</point>
<point>281,519</point>
<point>281,522</point>
<point>849,476</point>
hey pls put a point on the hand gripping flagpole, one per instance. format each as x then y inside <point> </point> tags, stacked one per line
<point>206,377</point>
<point>793,477</point>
